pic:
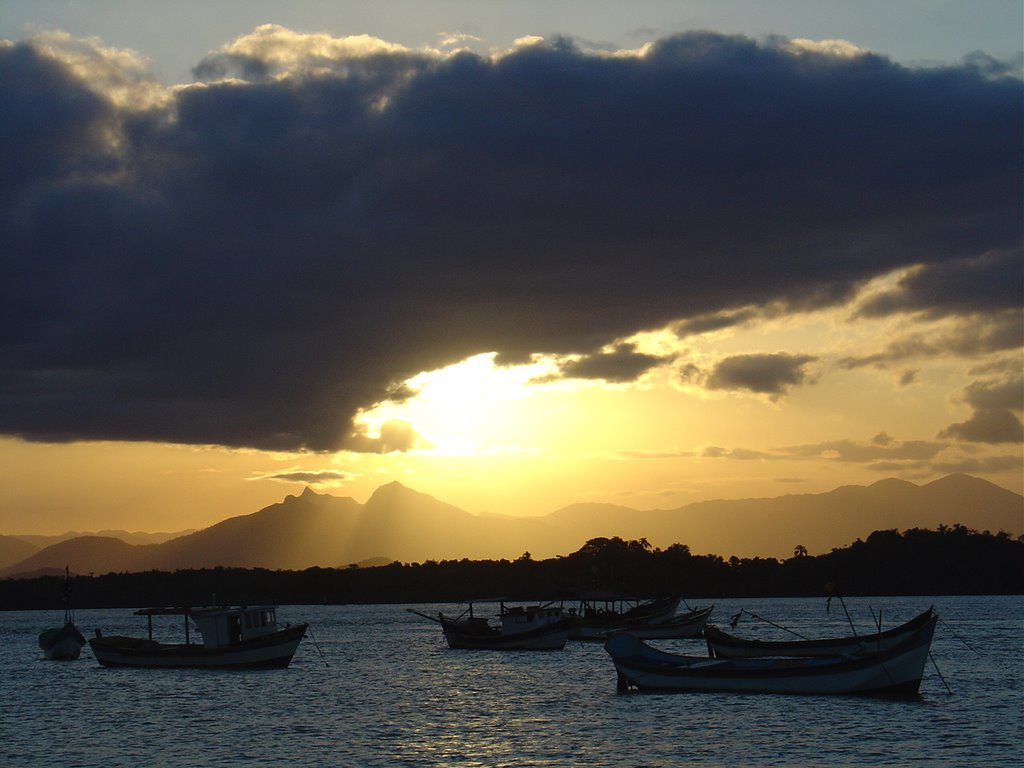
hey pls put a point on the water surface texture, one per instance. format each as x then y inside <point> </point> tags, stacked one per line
<point>376,686</point>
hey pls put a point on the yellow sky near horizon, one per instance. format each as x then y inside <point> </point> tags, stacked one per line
<point>505,441</point>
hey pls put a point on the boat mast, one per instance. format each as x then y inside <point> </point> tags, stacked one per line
<point>69,617</point>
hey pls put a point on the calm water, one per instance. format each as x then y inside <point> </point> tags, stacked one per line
<point>387,691</point>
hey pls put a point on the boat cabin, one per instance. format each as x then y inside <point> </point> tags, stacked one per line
<point>520,618</point>
<point>222,625</point>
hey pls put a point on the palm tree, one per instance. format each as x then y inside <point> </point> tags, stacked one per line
<point>800,551</point>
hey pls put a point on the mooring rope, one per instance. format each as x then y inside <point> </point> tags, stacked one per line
<point>323,658</point>
<point>767,621</point>
<point>952,632</point>
<point>939,673</point>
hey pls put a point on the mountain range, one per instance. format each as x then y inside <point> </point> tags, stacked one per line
<point>398,523</point>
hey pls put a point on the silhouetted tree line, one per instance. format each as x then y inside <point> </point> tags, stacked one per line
<point>948,561</point>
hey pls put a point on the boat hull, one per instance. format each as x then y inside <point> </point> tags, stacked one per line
<point>272,651</point>
<point>62,643</point>
<point>897,671</point>
<point>683,626</point>
<point>724,645</point>
<point>550,637</point>
<point>662,625</point>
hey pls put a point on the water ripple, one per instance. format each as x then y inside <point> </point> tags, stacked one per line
<point>394,695</point>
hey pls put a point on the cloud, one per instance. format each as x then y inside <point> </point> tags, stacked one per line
<point>395,435</point>
<point>741,454</point>
<point>272,52</point>
<point>717,321</point>
<point>1005,463</point>
<point>970,337</point>
<point>908,377</point>
<point>771,374</point>
<point>994,420</point>
<point>882,448</point>
<point>318,478</point>
<point>989,283</point>
<point>622,364</point>
<point>249,260</point>
<point>988,425</point>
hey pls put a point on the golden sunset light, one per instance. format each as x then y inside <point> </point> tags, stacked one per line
<point>419,383</point>
<point>514,273</point>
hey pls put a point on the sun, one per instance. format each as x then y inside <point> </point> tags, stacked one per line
<point>467,408</point>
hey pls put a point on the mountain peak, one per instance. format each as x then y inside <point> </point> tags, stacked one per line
<point>390,490</point>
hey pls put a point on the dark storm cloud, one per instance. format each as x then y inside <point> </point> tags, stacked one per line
<point>715,321</point>
<point>250,262</point>
<point>768,374</point>
<point>989,283</point>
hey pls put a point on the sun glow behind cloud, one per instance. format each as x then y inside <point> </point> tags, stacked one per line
<point>471,407</point>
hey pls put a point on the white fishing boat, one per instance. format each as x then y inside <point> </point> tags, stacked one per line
<point>896,671</point>
<point>245,637</point>
<point>63,643</point>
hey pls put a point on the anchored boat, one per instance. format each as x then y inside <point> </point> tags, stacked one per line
<point>63,643</point>
<point>895,671</point>
<point>600,616</point>
<point>724,645</point>
<point>516,628</point>
<point>244,637</point>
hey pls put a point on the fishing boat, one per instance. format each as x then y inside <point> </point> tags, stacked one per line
<point>599,616</point>
<point>681,626</point>
<point>721,644</point>
<point>63,643</point>
<point>516,628</point>
<point>895,671</point>
<point>244,637</point>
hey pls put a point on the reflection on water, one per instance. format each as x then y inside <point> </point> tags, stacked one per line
<point>394,694</point>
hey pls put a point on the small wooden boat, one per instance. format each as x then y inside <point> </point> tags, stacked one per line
<point>681,626</point>
<point>63,643</point>
<point>895,671</point>
<point>516,628</point>
<point>598,617</point>
<point>246,637</point>
<point>723,645</point>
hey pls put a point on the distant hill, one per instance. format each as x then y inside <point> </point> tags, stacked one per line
<point>773,527</point>
<point>298,532</point>
<point>14,549</point>
<point>398,523</point>
<point>86,554</point>
<point>129,537</point>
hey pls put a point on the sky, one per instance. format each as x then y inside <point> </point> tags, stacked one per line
<point>515,255</point>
